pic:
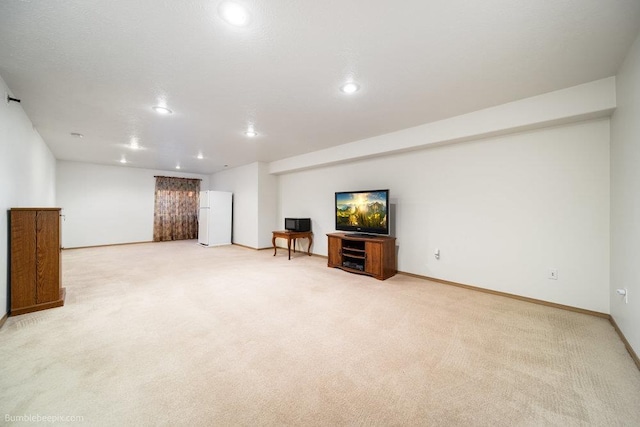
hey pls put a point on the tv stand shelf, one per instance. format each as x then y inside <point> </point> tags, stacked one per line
<point>371,255</point>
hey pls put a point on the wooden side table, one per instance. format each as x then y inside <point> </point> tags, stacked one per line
<point>291,236</point>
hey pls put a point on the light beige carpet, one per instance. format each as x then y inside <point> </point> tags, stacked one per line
<point>176,334</point>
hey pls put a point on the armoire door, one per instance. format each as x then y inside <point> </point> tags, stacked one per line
<point>47,256</point>
<point>23,258</point>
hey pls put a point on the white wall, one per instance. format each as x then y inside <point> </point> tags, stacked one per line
<point>106,205</point>
<point>267,206</point>
<point>502,211</point>
<point>255,202</point>
<point>625,199</point>
<point>27,175</point>
<point>243,183</point>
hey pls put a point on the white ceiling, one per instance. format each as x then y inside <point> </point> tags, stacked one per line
<point>98,66</point>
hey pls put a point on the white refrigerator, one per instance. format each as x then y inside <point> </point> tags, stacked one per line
<point>214,218</point>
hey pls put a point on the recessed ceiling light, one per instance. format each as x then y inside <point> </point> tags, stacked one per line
<point>177,166</point>
<point>350,87</point>
<point>200,156</point>
<point>77,135</point>
<point>161,110</point>
<point>123,160</point>
<point>251,133</point>
<point>134,144</point>
<point>234,13</point>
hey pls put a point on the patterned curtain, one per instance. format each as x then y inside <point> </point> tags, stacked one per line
<point>176,209</point>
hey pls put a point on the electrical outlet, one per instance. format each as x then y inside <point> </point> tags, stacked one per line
<point>553,274</point>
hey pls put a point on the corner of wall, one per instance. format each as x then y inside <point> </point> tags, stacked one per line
<point>625,236</point>
<point>27,175</point>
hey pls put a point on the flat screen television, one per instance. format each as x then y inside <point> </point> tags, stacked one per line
<point>365,212</point>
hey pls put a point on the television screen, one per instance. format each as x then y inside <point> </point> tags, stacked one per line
<point>363,211</point>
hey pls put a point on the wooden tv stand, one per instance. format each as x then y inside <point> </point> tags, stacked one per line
<point>374,256</point>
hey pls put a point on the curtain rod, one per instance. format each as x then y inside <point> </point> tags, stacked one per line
<point>177,177</point>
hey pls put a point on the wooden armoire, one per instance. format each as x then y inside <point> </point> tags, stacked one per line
<point>36,282</point>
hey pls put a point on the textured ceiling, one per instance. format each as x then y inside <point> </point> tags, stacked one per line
<point>97,67</point>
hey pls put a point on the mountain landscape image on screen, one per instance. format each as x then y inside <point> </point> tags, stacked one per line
<point>366,210</point>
